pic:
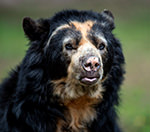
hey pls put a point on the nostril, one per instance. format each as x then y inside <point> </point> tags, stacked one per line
<point>96,64</point>
<point>98,67</point>
<point>87,66</point>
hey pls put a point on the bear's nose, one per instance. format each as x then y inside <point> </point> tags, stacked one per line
<point>91,63</point>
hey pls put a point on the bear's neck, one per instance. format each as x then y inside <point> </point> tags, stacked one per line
<point>78,114</point>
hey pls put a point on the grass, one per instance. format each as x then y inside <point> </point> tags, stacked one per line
<point>12,40</point>
<point>134,34</point>
<point>135,106</point>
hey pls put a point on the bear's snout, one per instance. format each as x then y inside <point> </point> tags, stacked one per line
<point>91,63</point>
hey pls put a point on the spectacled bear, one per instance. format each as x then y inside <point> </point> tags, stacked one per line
<point>69,79</point>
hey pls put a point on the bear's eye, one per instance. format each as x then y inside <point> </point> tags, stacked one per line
<point>68,46</point>
<point>102,46</point>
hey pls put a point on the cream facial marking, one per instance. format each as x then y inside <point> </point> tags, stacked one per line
<point>101,37</point>
<point>67,40</point>
<point>55,31</point>
<point>102,40</point>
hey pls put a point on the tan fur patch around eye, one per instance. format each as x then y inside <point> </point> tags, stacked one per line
<point>83,28</point>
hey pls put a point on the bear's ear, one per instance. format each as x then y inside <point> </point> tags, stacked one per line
<point>34,30</point>
<point>108,19</point>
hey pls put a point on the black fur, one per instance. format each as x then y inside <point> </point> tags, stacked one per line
<point>26,96</point>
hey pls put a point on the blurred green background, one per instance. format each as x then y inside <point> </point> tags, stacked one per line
<point>132,20</point>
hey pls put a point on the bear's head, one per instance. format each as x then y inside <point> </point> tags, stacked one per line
<point>77,49</point>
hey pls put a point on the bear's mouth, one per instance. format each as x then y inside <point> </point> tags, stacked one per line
<point>89,80</point>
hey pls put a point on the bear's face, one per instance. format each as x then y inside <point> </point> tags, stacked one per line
<point>78,53</point>
<point>82,49</point>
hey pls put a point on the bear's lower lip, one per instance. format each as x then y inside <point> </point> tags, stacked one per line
<point>89,81</point>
